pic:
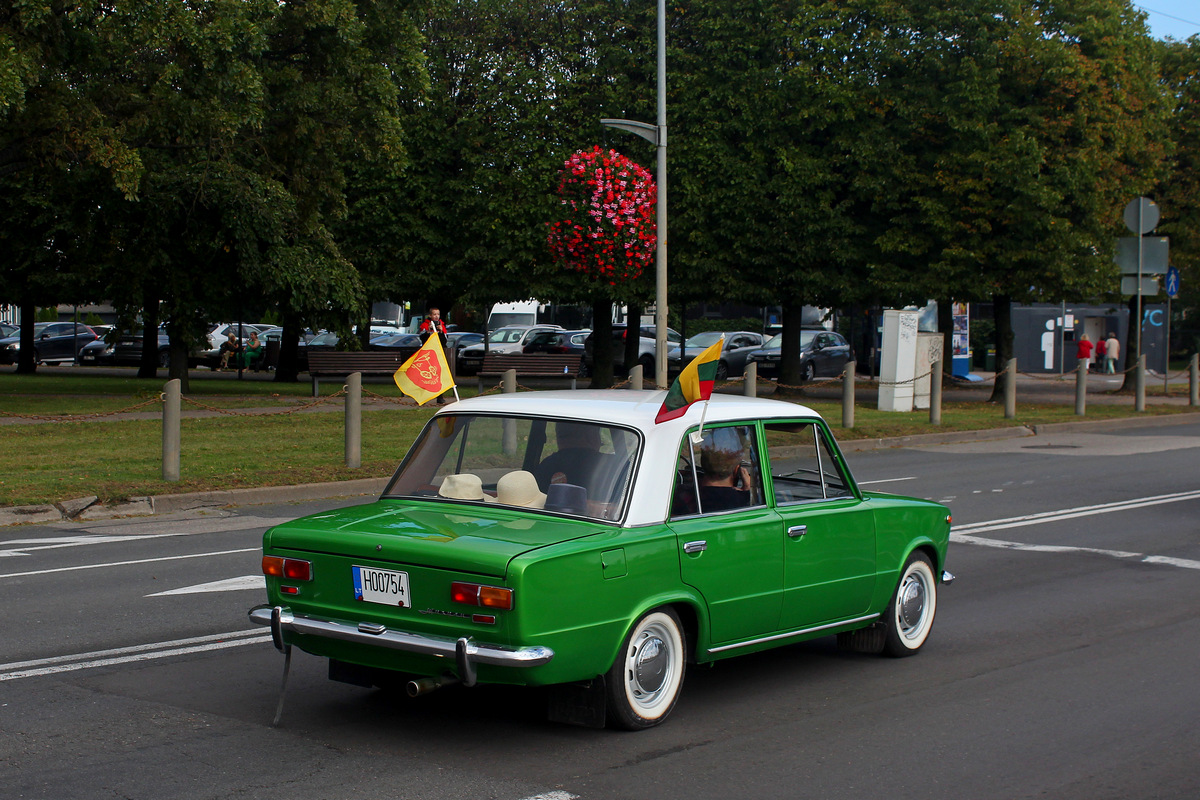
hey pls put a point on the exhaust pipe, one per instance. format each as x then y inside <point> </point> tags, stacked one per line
<point>423,686</point>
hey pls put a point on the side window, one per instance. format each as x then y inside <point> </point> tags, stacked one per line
<point>721,473</point>
<point>802,464</point>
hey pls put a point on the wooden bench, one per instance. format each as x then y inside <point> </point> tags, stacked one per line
<point>531,365</point>
<point>334,363</point>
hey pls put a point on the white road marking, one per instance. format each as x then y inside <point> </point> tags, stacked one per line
<point>127,563</point>
<point>190,527</point>
<point>967,534</point>
<point>125,655</point>
<point>228,585</point>
<point>1072,513</point>
<point>555,795</point>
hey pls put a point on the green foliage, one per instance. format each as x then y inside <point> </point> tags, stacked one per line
<point>46,315</point>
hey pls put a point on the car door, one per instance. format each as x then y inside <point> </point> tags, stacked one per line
<point>829,554</point>
<point>731,552</point>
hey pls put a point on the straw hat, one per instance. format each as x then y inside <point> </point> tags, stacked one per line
<point>520,488</point>
<point>462,487</point>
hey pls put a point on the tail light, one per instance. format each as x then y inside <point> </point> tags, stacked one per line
<point>474,594</point>
<point>293,569</point>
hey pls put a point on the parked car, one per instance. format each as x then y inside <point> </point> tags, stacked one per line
<point>509,339</point>
<point>738,345</point>
<point>822,354</point>
<point>403,344</point>
<point>128,349</point>
<point>458,340</point>
<point>564,539</point>
<point>7,330</point>
<point>98,353</point>
<point>561,342</point>
<point>55,342</point>
<point>647,347</point>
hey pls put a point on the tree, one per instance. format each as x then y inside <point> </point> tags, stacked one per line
<point>1179,190</point>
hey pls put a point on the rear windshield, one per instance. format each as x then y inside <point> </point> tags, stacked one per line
<point>581,469</point>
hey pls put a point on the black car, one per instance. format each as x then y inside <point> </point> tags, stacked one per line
<point>52,341</point>
<point>128,349</point>
<point>822,354</point>
<point>560,342</point>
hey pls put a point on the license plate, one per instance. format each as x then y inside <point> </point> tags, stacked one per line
<point>381,586</point>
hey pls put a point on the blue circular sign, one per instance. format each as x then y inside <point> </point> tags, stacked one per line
<point>1172,282</point>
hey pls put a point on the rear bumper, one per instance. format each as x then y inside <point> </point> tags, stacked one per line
<point>465,652</point>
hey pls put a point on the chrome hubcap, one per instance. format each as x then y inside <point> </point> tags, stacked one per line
<point>912,602</point>
<point>650,664</point>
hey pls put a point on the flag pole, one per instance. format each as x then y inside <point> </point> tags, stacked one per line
<point>697,435</point>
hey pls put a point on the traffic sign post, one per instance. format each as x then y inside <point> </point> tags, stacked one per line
<point>1141,216</point>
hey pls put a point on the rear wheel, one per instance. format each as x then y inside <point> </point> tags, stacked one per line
<point>909,616</point>
<point>644,682</point>
<point>648,366</point>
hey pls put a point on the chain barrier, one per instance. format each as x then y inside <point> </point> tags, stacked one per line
<point>252,413</point>
<point>82,417</point>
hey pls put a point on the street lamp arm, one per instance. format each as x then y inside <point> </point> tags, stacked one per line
<point>643,129</point>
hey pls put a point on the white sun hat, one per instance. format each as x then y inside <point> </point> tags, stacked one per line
<point>464,486</point>
<point>520,488</point>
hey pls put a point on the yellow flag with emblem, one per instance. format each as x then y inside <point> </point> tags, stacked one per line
<point>427,374</point>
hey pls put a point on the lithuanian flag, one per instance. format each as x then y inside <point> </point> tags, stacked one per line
<point>427,374</point>
<point>694,383</point>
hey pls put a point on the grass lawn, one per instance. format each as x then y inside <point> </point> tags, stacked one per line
<point>83,456</point>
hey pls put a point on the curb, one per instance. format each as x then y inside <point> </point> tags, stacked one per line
<point>89,509</point>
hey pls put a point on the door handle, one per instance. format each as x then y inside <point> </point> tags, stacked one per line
<point>695,547</point>
<point>797,531</point>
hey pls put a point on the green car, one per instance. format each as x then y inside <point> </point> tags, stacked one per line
<point>564,539</point>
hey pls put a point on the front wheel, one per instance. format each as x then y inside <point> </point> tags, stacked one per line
<point>644,682</point>
<point>722,371</point>
<point>909,615</point>
<point>808,373</point>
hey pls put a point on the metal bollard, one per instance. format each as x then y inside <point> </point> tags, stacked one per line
<point>1081,375</point>
<point>635,378</point>
<point>354,420</point>
<point>1194,380</point>
<point>509,381</point>
<point>750,380</point>
<point>1139,384</point>
<point>848,395</point>
<point>170,432</point>
<point>1010,389</point>
<point>935,393</point>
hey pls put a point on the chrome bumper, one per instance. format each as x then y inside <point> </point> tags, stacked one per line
<point>466,653</point>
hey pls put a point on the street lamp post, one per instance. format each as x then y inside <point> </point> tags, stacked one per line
<point>657,135</point>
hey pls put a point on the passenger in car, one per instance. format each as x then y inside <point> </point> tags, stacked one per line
<point>724,482</point>
<point>577,458</point>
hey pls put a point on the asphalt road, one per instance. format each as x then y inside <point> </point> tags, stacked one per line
<point>1065,663</point>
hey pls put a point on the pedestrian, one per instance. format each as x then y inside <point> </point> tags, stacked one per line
<point>1112,351</point>
<point>1084,351</point>
<point>434,324</point>
<point>1100,360</point>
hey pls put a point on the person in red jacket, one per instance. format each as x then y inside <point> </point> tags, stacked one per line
<point>1084,351</point>
<point>1099,352</point>
<point>433,324</point>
